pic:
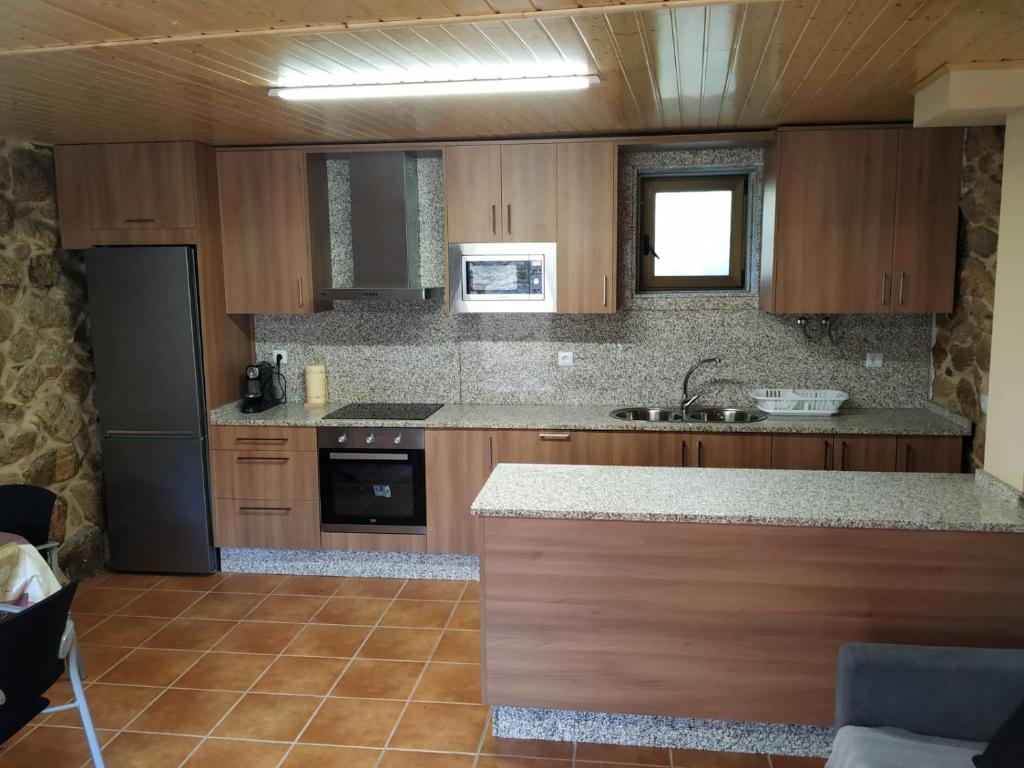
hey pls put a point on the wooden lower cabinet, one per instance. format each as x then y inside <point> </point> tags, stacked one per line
<point>733,451</point>
<point>458,463</point>
<point>374,542</point>
<point>873,453</point>
<point>627,449</point>
<point>269,523</point>
<point>864,454</point>
<point>266,475</point>
<point>929,454</point>
<point>802,452</point>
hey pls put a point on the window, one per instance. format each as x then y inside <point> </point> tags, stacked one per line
<point>692,233</point>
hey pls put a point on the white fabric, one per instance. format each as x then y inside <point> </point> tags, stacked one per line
<point>24,573</point>
<point>857,747</point>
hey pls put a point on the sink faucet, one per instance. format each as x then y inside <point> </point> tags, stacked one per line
<point>689,399</point>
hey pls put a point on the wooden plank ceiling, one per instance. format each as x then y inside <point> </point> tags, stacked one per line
<point>96,70</point>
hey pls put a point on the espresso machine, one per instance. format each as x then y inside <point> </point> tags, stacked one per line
<point>264,387</point>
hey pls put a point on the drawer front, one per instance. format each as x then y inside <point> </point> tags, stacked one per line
<point>263,438</point>
<point>374,542</point>
<point>267,523</point>
<point>265,475</point>
<point>663,449</point>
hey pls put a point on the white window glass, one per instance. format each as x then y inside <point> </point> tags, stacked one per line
<point>692,233</point>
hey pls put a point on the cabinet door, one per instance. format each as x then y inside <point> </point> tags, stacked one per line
<point>143,186</point>
<point>626,449</point>
<point>472,191</point>
<point>728,451</point>
<point>802,452</point>
<point>864,454</point>
<point>587,242</point>
<point>529,193</point>
<point>265,232</point>
<point>927,214</point>
<point>929,454</point>
<point>834,220</point>
<point>458,465</point>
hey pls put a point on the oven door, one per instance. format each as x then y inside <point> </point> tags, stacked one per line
<point>372,491</point>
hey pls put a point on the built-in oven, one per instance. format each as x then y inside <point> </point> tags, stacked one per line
<point>503,277</point>
<point>372,480</point>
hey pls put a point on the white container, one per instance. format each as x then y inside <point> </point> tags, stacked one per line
<point>316,385</point>
<point>799,402</point>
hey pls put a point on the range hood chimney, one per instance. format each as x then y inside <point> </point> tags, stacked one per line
<point>385,230</point>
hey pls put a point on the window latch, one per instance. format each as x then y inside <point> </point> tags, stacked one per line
<point>647,247</point>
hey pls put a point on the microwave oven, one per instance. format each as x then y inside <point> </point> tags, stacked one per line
<point>502,277</point>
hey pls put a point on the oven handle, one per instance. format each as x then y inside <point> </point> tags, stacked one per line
<point>382,456</point>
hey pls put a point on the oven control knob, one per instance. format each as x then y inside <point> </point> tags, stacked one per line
<point>343,439</point>
<point>398,439</point>
<point>369,440</point>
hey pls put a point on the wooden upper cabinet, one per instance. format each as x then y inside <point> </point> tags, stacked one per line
<point>528,193</point>
<point>273,231</point>
<point>865,221</point>
<point>587,242</point>
<point>927,205</point>
<point>472,188</point>
<point>834,220</point>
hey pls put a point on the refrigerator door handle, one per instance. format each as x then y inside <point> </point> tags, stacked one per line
<point>148,433</point>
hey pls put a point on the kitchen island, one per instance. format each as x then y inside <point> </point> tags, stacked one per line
<point>726,594</point>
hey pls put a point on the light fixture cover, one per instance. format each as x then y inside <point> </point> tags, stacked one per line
<point>435,88</point>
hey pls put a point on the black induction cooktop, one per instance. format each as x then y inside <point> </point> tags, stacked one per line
<point>396,411</point>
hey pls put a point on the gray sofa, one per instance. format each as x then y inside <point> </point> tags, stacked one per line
<point>904,706</point>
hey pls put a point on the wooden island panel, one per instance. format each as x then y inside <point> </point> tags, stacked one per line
<point>732,622</point>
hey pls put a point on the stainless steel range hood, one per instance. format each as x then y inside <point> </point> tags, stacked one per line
<point>385,230</point>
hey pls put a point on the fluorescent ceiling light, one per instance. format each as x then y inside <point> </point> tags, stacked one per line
<point>435,88</point>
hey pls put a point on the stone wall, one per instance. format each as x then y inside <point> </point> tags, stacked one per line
<point>48,433</point>
<point>963,340</point>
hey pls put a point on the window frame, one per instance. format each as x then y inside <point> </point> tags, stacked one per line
<point>730,181</point>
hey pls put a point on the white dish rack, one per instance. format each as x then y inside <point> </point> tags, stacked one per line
<point>799,402</point>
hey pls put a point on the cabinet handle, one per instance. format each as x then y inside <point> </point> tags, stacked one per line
<point>494,219</point>
<point>140,221</point>
<point>490,451</point>
<point>842,456</point>
<point>281,440</point>
<point>908,458</point>
<point>562,437</point>
<point>301,300</point>
<point>902,293</point>
<point>700,453</point>
<point>828,462</point>
<point>683,464</point>
<point>604,291</point>
<point>508,218</point>
<point>263,510</point>
<point>262,459</point>
<point>883,300</point>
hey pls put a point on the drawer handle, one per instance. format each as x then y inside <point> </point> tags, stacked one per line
<point>265,510</point>
<point>262,459</point>
<point>281,440</point>
<point>556,437</point>
<point>140,221</point>
<point>494,219</point>
<point>509,218</point>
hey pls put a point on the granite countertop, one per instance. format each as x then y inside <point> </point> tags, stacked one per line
<point>888,500</point>
<point>868,421</point>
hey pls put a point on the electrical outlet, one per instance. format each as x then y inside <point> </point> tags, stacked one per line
<point>565,358</point>
<point>874,360</point>
<point>284,356</point>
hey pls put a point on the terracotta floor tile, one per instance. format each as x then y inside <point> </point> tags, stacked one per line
<point>148,666</point>
<point>373,679</point>
<point>783,761</point>
<point>97,660</point>
<point>508,761</point>
<point>185,711</point>
<point>132,580</point>
<point>352,610</point>
<point>231,753</point>
<point>460,646</point>
<point>192,583</point>
<point>353,587</point>
<point>450,682</point>
<point>310,756</point>
<point>190,634</point>
<point>429,589</point>
<point>322,586</point>
<point>301,674</point>
<point>425,760</point>
<point>218,606</point>
<point>147,750</point>
<point>86,621</point>
<point>693,758</point>
<point>225,671</point>
<point>111,706</point>
<point>327,640</point>
<point>268,716</point>
<point>472,592</point>
<point>258,583</point>
<point>354,722</point>
<point>466,616</point>
<point>418,613</point>
<point>612,753</point>
<point>400,644</point>
<point>159,602</point>
<point>125,631</point>
<point>48,747</point>
<point>287,608</point>
<point>258,637</point>
<point>560,750</point>
<point>100,600</point>
<point>440,727</point>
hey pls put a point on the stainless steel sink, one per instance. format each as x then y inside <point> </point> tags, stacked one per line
<point>648,414</point>
<point>727,415</point>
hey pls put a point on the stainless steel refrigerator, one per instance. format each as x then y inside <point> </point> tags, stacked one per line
<point>144,315</point>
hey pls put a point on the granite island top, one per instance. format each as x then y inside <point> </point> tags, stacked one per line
<point>888,500</point>
<point>867,421</point>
